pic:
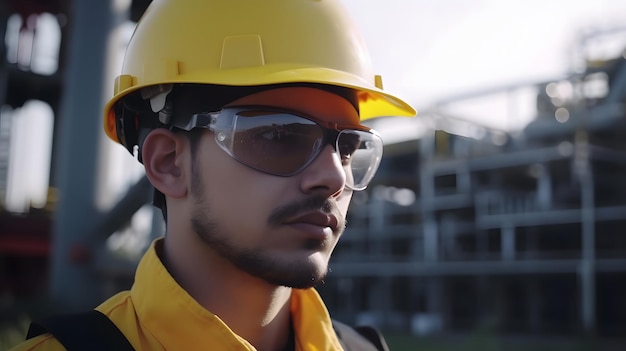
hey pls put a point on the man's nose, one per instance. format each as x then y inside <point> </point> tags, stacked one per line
<point>326,173</point>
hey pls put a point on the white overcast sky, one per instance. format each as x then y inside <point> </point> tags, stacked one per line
<point>427,49</point>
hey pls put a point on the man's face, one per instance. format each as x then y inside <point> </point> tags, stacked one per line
<point>280,229</point>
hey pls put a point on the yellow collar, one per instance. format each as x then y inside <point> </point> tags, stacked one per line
<point>179,322</point>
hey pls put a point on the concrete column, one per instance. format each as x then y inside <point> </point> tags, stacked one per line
<point>507,242</point>
<point>73,284</point>
<point>587,271</point>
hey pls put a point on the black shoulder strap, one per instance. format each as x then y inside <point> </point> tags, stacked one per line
<point>94,331</point>
<point>374,336</point>
<point>362,338</point>
<point>89,330</point>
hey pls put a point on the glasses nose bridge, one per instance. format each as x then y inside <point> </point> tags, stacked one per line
<point>331,136</point>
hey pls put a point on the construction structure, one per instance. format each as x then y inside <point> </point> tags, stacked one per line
<point>519,233</point>
<point>522,233</point>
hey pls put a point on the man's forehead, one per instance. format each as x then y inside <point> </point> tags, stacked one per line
<point>316,103</point>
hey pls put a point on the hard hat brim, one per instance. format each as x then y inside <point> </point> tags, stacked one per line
<point>372,101</point>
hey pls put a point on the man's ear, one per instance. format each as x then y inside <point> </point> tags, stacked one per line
<point>163,159</point>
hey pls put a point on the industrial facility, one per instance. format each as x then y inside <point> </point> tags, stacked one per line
<point>522,232</point>
<point>464,227</point>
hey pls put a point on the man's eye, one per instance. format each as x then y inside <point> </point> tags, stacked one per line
<point>346,150</point>
<point>348,144</point>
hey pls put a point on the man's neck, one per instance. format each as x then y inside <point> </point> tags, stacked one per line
<point>254,309</point>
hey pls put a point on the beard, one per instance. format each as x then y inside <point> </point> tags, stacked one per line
<point>257,263</point>
<point>264,265</point>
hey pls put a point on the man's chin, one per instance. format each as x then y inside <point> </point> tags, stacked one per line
<point>298,275</point>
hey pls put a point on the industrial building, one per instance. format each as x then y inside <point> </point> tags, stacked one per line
<point>522,233</point>
<point>465,226</point>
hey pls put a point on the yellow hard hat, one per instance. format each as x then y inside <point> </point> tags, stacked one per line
<point>250,43</point>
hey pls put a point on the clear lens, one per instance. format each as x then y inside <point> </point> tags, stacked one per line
<point>283,144</point>
<point>362,152</point>
<point>279,144</point>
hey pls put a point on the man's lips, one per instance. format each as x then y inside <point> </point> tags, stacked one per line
<point>315,219</point>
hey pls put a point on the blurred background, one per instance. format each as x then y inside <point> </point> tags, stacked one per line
<point>496,221</point>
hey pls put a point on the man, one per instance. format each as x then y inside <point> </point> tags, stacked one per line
<point>247,117</point>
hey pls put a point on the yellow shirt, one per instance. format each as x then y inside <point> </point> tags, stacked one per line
<point>157,314</point>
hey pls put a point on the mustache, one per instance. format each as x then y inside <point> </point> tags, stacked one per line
<point>313,203</point>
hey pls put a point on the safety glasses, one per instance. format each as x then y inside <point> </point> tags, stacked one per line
<point>283,143</point>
